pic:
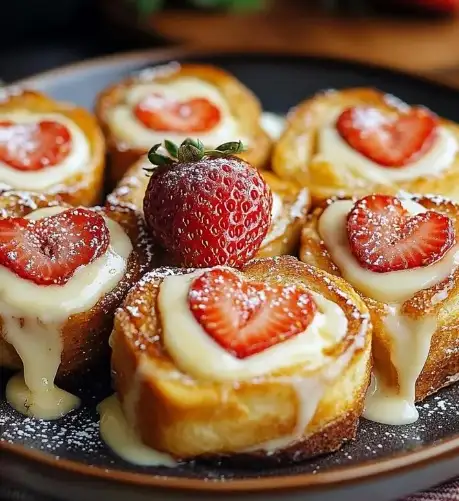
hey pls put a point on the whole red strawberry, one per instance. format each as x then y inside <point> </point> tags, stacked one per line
<point>206,207</point>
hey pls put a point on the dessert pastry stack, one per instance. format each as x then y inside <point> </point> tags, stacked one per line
<point>255,299</point>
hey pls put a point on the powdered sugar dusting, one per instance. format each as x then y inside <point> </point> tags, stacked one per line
<point>76,437</point>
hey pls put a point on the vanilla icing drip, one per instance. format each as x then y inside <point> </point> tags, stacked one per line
<point>410,349</point>
<point>120,436</point>
<point>409,338</point>
<point>77,159</point>
<point>33,316</point>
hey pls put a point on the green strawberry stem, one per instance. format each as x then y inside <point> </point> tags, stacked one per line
<point>191,150</point>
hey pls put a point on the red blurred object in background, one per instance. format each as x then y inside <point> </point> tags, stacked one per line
<point>446,6</point>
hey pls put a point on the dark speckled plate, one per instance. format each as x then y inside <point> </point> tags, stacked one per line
<point>66,459</point>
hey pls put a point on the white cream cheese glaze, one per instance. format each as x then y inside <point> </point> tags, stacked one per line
<point>410,349</point>
<point>129,129</point>
<point>282,216</point>
<point>117,433</point>
<point>409,338</point>
<point>74,162</point>
<point>276,210</point>
<point>328,327</point>
<point>332,148</point>
<point>33,316</point>
<point>273,124</point>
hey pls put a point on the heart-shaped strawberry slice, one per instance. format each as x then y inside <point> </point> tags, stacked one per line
<point>247,317</point>
<point>48,251</point>
<point>384,237</point>
<point>387,140</point>
<point>34,146</point>
<point>167,115</point>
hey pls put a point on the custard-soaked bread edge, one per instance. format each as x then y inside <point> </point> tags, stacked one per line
<point>243,104</point>
<point>294,151</point>
<point>85,335</point>
<point>442,364</point>
<point>83,188</point>
<point>175,413</point>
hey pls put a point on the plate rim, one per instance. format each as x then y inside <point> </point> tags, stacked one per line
<point>177,52</point>
<point>338,476</point>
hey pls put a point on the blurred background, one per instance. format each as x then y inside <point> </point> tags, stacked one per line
<point>417,35</point>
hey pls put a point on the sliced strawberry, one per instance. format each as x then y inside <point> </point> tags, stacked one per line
<point>245,317</point>
<point>34,146</point>
<point>384,237</point>
<point>388,141</point>
<point>48,251</point>
<point>166,115</point>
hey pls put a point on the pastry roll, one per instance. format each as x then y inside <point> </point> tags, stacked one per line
<point>290,206</point>
<point>271,361</point>
<point>358,141</point>
<point>63,272</point>
<point>50,147</point>
<point>402,255</point>
<point>177,101</point>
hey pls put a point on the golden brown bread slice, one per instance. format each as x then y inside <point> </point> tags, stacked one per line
<point>294,155</point>
<point>173,411</point>
<point>440,302</point>
<point>84,335</point>
<point>243,105</point>
<point>284,234</point>
<point>85,187</point>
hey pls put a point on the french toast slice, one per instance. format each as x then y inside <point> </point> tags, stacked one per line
<point>186,416</point>
<point>82,186</point>
<point>284,234</point>
<point>299,155</point>
<point>439,302</point>
<point>243,107</point>
<point>84,335</point>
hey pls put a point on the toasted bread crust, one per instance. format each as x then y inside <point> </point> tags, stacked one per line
<point>84,188</point>
<point>174,412</point>
<point>443,361</point>
<point>244,105</point>
<point>85,335</point>
<point>284,235</point>
<point>294,151</point>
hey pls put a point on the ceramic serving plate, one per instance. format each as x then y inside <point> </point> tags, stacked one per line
<point>66,459</point>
